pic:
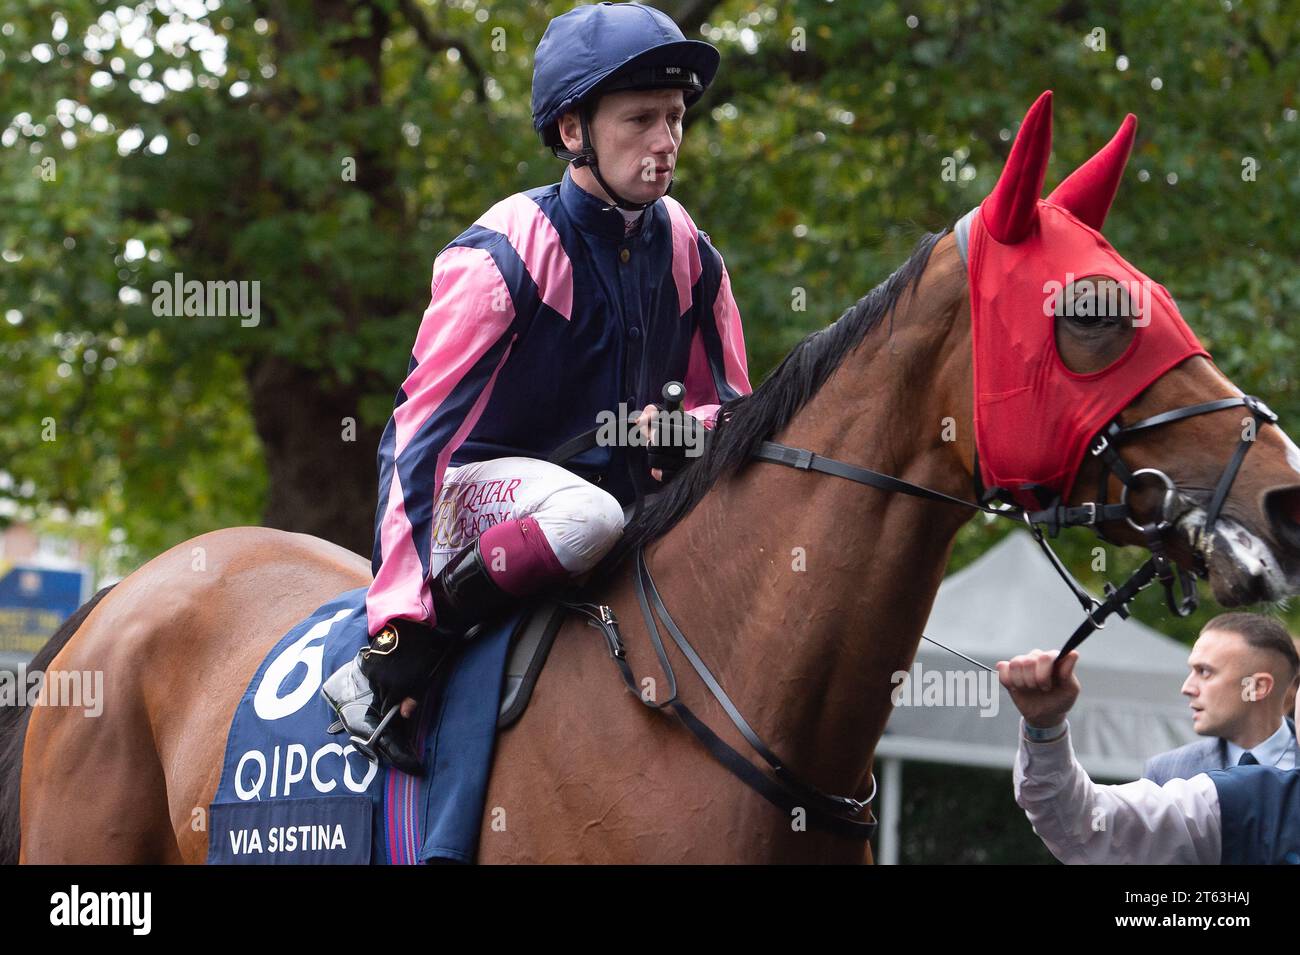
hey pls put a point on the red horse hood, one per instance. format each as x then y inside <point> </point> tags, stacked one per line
<point>1034,417</point>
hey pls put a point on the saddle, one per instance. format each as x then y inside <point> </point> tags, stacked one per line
<point>530,644</point>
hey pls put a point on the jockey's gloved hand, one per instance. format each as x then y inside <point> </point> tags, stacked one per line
<point>677,439</point>
<point>400,660</point>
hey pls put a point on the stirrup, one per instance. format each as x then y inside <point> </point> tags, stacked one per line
<point>352,699</point>
<point>367,746</point>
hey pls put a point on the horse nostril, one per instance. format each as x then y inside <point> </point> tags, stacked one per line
<point>1283,510</point>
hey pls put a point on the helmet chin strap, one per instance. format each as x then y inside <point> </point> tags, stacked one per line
<point>587,157</point>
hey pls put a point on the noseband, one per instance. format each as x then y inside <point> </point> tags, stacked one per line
<point>1103,447</point>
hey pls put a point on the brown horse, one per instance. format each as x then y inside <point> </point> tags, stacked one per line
<point>803,593</point>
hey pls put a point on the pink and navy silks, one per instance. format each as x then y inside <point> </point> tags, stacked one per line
<point>536,324</point>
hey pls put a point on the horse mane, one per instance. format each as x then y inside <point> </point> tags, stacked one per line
<point>753,419</point>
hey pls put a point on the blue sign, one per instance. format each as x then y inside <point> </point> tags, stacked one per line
<point>34,601</point>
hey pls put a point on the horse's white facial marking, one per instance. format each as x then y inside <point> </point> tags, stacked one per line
<point>1254,557</point>
<point>1292,452</point>
<point>1192,524</point>
<point>1251,554</point>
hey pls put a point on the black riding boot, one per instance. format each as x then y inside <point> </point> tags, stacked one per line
<point>367,692</point>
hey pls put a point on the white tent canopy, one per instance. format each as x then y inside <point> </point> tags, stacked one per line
<point>1008,602</point>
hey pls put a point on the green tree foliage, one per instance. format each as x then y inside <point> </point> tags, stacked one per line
<point>213,139</point>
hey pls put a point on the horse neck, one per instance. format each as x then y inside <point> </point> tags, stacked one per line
<point>805,593</point>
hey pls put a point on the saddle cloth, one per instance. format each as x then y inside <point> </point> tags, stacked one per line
<point>292,794</point>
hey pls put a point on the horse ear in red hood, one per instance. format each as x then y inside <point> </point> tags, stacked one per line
<point>1089,190</point>
<point>1011,209</point>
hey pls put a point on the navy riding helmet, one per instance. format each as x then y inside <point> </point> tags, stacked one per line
<point>600,48</point>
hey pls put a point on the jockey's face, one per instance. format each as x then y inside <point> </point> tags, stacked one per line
<point>636,134</point>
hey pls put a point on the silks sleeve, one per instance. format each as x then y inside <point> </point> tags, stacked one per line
<point>718,370</point>
<point>465,337</point>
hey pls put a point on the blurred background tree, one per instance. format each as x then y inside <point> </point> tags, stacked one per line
<point>328,149</point>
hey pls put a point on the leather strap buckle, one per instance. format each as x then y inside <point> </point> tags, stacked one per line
<point>1259,409</point>
<point>1098,624</point>
<point>612,636</point>
<point>802,459</point>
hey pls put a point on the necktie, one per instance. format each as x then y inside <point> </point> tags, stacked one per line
<point>1248,759</point>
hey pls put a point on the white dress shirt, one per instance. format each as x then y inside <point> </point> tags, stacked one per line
<point>1277,751</point>
<point>1138,822</point>
<point>629,219</point>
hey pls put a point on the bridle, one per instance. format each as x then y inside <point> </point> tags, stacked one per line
<point>1159,566</point>
<point>839,814</point>
<point>1093,514</point>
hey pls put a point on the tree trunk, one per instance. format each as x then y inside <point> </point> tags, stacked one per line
<point>323,475</point>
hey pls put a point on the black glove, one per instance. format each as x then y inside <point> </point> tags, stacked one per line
<point>400,660</point>
<point>676,440</point>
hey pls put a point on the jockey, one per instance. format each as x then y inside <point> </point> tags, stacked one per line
<point>558,306</point>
